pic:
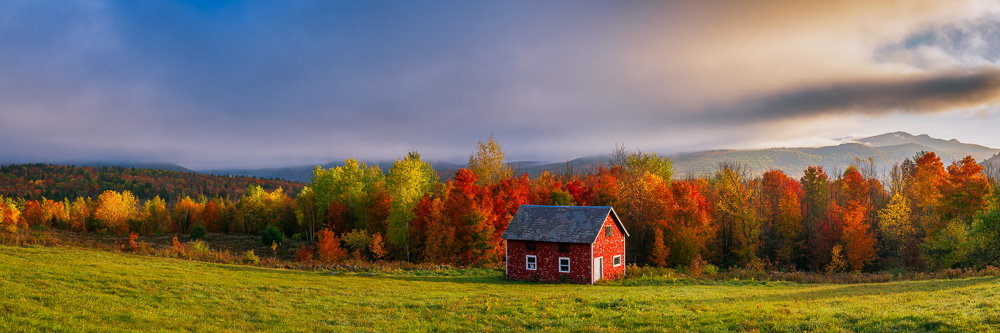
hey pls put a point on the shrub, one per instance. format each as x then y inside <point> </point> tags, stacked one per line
<point>271,235</point>
<point>250,258</point>
<point>198,232</point>
<point>305,253</point>
<point>200,247</point>
<point>328,247</point>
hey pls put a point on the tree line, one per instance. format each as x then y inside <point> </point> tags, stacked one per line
<point>922,215</point>
<point>39,181</point>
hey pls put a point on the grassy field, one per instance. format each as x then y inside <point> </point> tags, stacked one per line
<point>69,289</point>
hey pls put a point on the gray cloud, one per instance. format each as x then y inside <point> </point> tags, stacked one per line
<point>918,93</point>
<point>256,84</point>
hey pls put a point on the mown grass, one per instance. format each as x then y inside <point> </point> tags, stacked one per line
<point>70,289</point>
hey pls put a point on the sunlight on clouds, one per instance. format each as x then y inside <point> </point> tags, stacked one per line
<point>699,52</point>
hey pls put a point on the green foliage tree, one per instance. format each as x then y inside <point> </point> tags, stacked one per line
<point>155,216</point>
<point>347,185</point>
<point>409,179</point>
<point>271,235</point>
<point>198,232</point>
<point>306,213</point>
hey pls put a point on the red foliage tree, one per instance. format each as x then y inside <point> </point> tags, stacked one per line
<point>328,248</point>
<point>966,192</point>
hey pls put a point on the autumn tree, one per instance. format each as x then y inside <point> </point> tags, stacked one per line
<point>966,192</point>
<point>79,212</point>
<point>305,213</point>
<point>378,247</point>
<point>926,180</point>
<point>185,215</point>
<point>328,249</point>
<point>894,224</point>
<point>155,216</point>
<point>434,239</point>
<point>347,185</point>
<point>658,251</point>
<point>359,241</point>
<point>857,242</point>
<point>32,214</point>
<point>985,235</point>
<point>259,208</point>
<point>409,178</point>
<point>687,224</point>
<point>470,215</point>
<point>781,217</point>
<point>820,226</point>
<point>542,188</point>
<point>114,210</point>
<point>10,216</point>
<point>210,217</point>
<point>737,223</point>
<point>642,210</point>
<point>488,163</point>
<point>506,197</point>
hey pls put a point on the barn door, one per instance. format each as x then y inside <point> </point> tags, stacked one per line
<point>598,268</point>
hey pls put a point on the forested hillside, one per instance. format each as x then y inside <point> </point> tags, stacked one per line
<point>35,181</point>
<point>922,213</point>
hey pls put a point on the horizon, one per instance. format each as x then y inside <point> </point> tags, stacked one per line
<point>235,85</point>
<point>437,162</point>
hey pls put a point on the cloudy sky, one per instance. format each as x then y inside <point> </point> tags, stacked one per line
<point>279,83</point>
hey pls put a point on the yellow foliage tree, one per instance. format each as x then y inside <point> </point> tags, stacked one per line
<point>895,224</point>
<point>115,210</point>
<point>10,216</point>
<point>488,163</point>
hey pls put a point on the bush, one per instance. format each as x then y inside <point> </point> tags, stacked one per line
<point>250,258</point>
<point>200,247</point>
<point>271,235</point>
<point>305,253</point>
<point>328,247</point>
<point>198,232</point>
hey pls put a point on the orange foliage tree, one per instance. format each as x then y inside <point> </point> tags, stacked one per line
<point>966,192</point>
<point>328,248</point>
<point>10,216</point>
<point>858,243</point>
<point>687,224</point>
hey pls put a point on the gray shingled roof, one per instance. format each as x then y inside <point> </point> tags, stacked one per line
<point>565,224</point>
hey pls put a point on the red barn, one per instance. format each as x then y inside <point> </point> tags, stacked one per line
<point>565,243</point>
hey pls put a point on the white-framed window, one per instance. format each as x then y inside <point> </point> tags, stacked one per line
<point>530,262</point>
<point>563,265</point>
<point>617,260</point>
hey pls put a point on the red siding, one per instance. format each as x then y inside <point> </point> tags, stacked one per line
<point>547,255</point>
<point>608,247</point>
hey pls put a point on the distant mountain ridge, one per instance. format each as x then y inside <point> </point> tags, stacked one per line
<point>938,145</point>
<point>885,149</point>
<point>133,165</point>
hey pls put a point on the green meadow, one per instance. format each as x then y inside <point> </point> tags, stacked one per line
<point>71,289</point>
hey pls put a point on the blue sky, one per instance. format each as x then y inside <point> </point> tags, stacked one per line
<point>279,83</point>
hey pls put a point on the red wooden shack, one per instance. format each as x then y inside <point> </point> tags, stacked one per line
<point>565,243</point>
